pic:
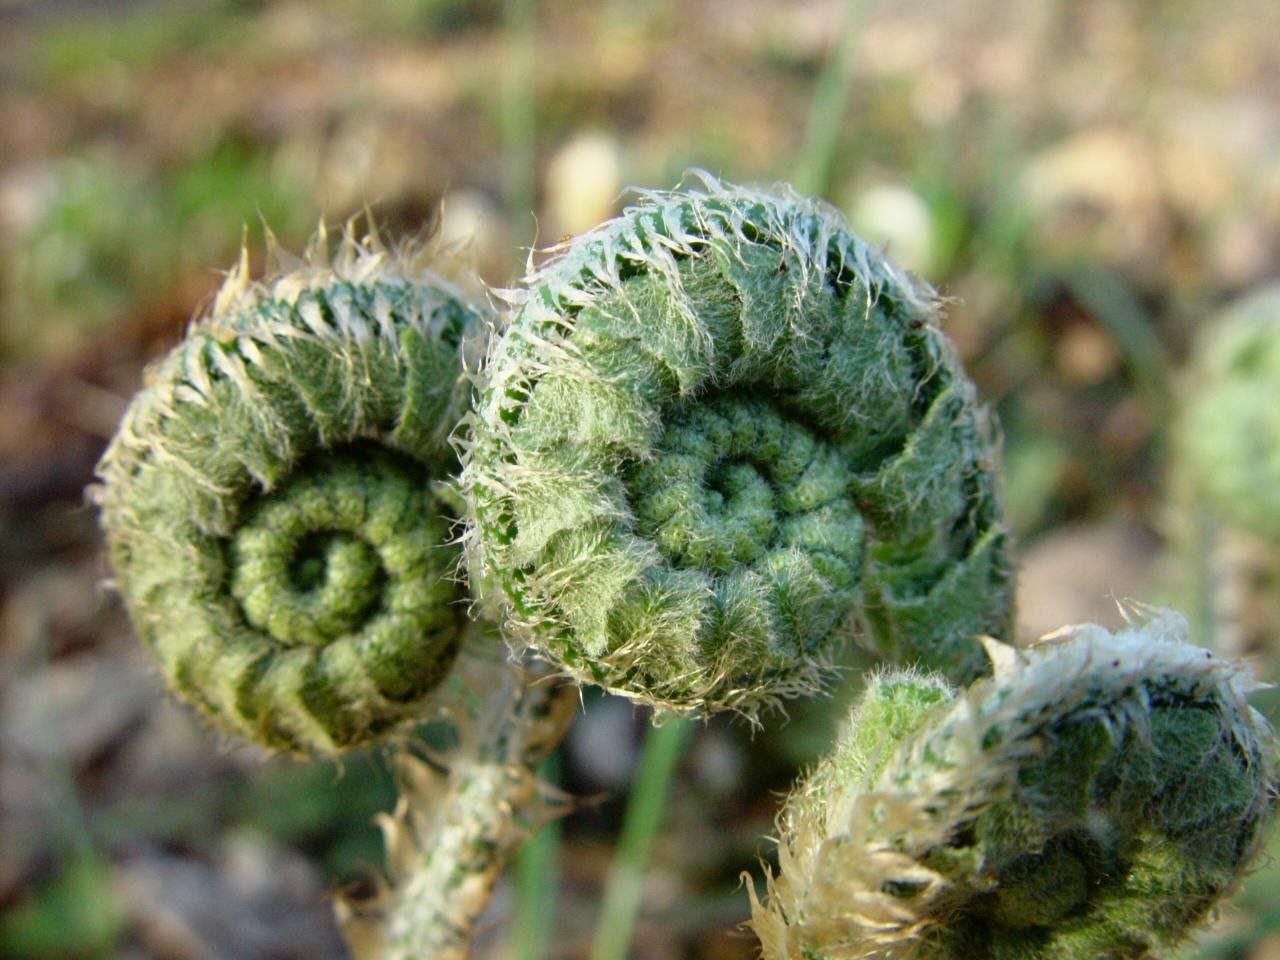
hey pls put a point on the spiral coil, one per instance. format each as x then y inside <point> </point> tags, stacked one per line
<point>716,430</point>
<point>271,501</point>
<point>1229,433</point>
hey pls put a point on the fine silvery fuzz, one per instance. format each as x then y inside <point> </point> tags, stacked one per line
<point>717,429</point>
<point>1230,429</point>
<point>272,500</point>
<point>1095,798</point>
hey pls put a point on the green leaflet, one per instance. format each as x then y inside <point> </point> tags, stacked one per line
<point>1096,797</point>
<point>269,500</point>
<point>717,431</point>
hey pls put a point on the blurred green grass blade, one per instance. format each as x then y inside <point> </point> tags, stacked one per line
<point>77,913</point>
<point>1115,307</point>
<point>537,875</point>
<point>537,863</point>
<point>624,889</point>
<point>518,122</point>
<point>830,99</point>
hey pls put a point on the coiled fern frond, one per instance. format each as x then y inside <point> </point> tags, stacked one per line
<point>1230,431</point>
<point>716,430</point>
<point>271,501</point>
<point>1095,798</point>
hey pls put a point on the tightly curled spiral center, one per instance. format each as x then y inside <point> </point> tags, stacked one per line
<point>330,551</point>
<point>322,553</point>
<point>733,480</point>
<point>1043,888</point>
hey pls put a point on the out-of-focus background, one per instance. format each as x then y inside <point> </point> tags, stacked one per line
<point>1088,181</point>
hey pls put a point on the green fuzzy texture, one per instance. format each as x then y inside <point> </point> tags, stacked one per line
<point>1096,798</point>
<point>718,432</point>
<point>1230,428</point>
<point>271,501</point>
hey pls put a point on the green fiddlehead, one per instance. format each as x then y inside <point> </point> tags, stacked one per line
<point>1225,479</point>
<point>716,429</point>
<point>1095,798</point>
<point>1230,432</point>
<point>272,501</point>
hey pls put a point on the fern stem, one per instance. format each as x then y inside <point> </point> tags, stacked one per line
<point>461,818</point>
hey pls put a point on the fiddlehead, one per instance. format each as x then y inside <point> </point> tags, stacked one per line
<point>1230,431</point>
<point>271,502</point>
<point>1226,478</point>
<point>1096,797</point>
<point>716,428</point>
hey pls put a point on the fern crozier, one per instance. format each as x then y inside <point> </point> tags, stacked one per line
<point>717,431</point>
<point>271,501</point>
<point>1095,798</point>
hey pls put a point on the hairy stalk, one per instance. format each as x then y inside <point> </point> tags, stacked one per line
<point>716,430</point>
<point>1095,798</point>
<point>461,817</point>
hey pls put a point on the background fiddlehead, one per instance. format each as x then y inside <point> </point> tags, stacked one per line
<point>271,500</point>
<point>1231,429</point>
<point>1226,478</point>
<point>1096,797</point>
<point>716,428</point>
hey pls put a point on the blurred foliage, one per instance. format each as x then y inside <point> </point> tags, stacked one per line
<point>84,46</point>
<point>111,234</point>
<point>324,809</point>
<point>75,913</point>
<point>426,18</point>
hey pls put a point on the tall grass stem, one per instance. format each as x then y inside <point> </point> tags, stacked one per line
<point>830,101</point>
<point>537,876</point>
<point>518,121</point>
<point>624,888</point>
